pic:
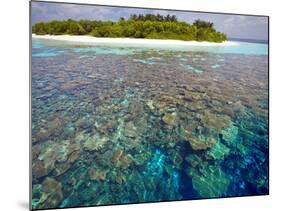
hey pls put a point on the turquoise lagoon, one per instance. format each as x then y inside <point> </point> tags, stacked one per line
<point>114,125</point>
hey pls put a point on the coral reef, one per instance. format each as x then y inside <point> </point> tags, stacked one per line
<point>130,130</point>
<point>95,142</point>
<point>169,118</point>
<point>121,160</point>
<point>213,121</point>
<point>209,181</point>
<point>230,133</point>
<point>50,194</point>
<point>118,125</point>
<point>97,174</point>
<point>219,151</point>
<point>200,142</point>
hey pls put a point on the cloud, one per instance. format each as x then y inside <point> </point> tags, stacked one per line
<point>246,26</point>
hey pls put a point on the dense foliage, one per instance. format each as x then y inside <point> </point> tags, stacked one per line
<point>148,26</point>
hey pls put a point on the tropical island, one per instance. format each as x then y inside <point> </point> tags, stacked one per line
<point>148,26</point>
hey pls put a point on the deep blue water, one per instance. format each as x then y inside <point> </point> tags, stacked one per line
<point>115,125</point>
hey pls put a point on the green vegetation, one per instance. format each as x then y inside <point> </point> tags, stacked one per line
<point>137,26</point>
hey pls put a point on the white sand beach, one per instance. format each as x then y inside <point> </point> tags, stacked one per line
<point>90,40</point>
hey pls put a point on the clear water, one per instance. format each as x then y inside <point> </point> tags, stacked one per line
<point>239,48</point>
<point>115,125</point>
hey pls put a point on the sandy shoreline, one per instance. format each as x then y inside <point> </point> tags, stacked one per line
<point>84,39</point>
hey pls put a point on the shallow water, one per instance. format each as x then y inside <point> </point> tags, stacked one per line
<point>115,125</point>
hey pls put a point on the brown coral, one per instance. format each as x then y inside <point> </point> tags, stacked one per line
<point>130,130</point>
<point>55,124</point>
<point>42,134</point>
<point>216,122</point>
<point>121,160</point>
<point>97,174</point>
<point>95,142</point>
<point>170,118</point>
<point>197,142</point>
<point>56,155</point>
<point>51,194</point>
<point>200,143</point>
<point>38,169</point>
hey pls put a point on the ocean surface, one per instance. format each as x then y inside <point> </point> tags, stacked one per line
<point>114,125</point>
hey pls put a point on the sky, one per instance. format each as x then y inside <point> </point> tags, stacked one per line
<point>235,26</point>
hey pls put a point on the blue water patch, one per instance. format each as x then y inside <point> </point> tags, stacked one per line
<point>104,50</point>
<point>36,44</point>
<point>175,180</point>
<point>87,56</point>
<point>238,48</point>
<point>244,48</point>
<point>190,67</point>
<point>154,58</point>
<point>215,66</point>
<point>156,165</point>
<point>48,53</point>
<point>144,61</point>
